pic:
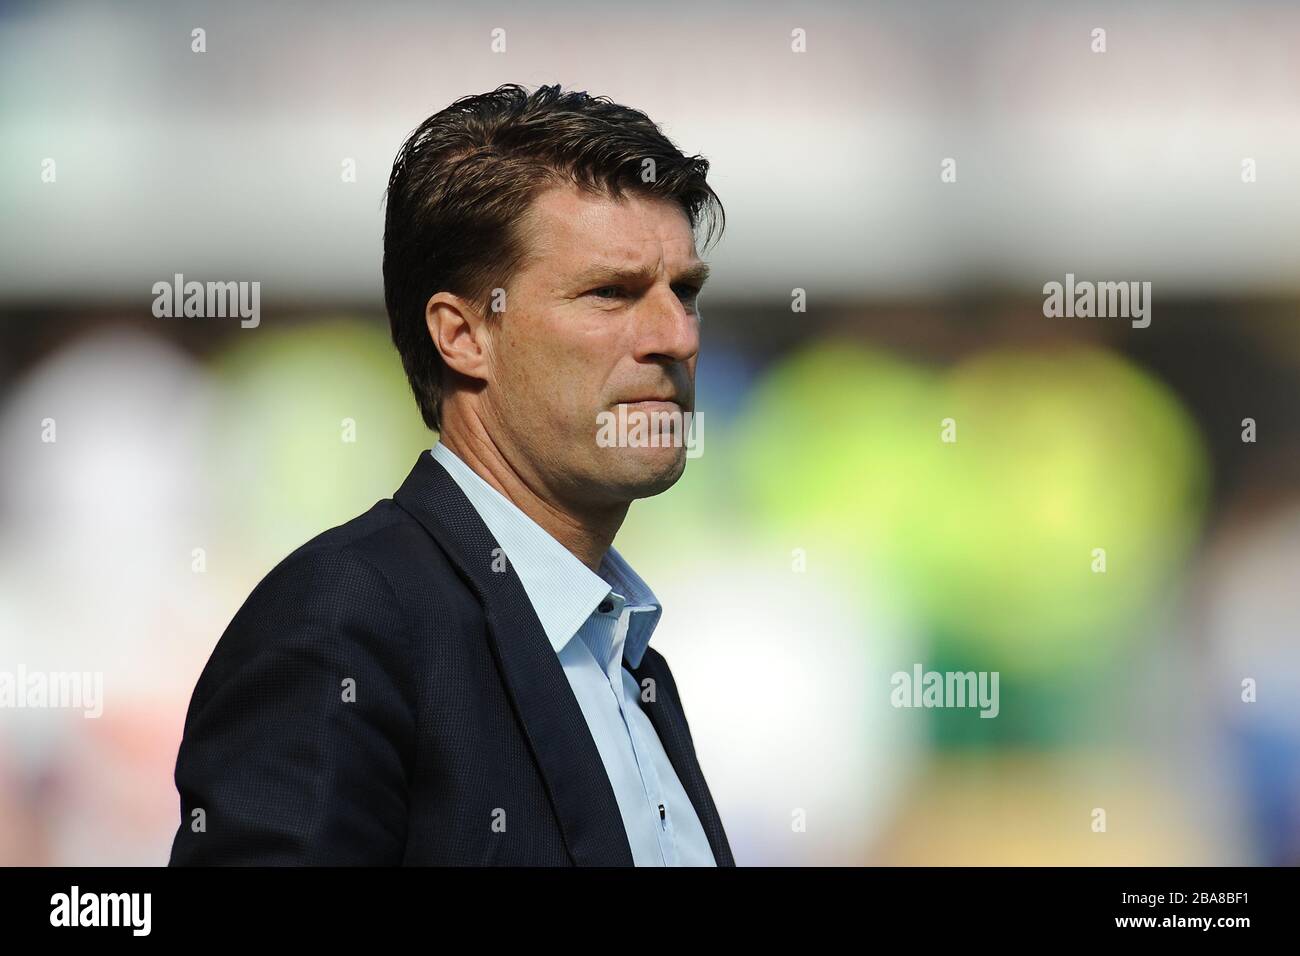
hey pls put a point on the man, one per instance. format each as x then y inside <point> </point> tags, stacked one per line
<point>462,675</point>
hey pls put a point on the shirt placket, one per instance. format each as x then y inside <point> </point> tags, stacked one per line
<point>650,782</point>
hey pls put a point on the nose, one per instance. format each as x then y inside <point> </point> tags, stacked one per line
<point>669,331</point>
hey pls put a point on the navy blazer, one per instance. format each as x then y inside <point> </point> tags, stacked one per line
<point>385,697</point>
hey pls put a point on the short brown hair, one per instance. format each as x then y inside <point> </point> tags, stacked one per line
<point>465,178</point>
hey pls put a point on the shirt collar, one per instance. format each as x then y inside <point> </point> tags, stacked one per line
<point>564,592</point>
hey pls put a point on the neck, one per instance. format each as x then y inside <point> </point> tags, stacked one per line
<point>586,533</point>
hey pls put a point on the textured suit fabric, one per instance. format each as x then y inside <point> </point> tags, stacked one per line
<point>385,696</point>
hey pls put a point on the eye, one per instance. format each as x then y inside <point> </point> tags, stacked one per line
<point>600,293</point>
<point>687,293</point>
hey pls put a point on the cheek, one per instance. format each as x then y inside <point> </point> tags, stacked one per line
<point>555,371</point>
<point>579,355</point>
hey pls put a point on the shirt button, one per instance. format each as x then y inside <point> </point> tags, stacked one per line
<point>606,606</point>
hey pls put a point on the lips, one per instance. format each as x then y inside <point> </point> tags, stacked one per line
<point>654,404</point>
<point>672,396</point>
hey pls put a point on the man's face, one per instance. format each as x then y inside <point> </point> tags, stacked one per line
<point>601,314</point>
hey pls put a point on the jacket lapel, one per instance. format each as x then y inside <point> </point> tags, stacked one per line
<point>552,720</point>
<point>669,720</point>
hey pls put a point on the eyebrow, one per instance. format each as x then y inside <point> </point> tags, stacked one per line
<point>697,274</point>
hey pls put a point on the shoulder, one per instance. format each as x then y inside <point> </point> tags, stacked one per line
<point>347,598</point>
<point>358,586</point>
<point>374,577</point>
<point>378,557</point>
<point>334,567</point>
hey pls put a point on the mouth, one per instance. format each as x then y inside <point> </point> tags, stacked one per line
<point>653,405</point>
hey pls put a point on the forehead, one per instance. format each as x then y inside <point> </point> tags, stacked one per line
<point>568,226</point>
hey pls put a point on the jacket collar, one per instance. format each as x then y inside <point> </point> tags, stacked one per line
<point>551,718</point>
<point>563,591</point>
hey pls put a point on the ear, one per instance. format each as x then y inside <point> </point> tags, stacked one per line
<point>459,334</point>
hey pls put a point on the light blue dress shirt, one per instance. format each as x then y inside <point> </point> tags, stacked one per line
<point>612,615</point>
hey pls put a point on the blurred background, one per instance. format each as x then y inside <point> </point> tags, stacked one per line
<point>154,469</point>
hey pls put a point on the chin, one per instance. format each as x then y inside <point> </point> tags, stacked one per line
<point>646,472</point>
